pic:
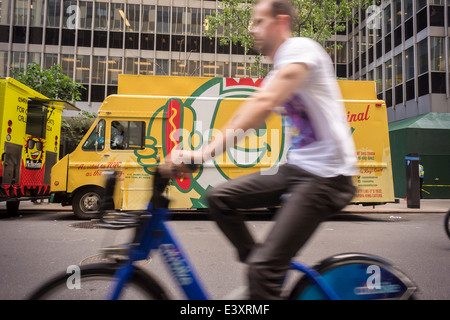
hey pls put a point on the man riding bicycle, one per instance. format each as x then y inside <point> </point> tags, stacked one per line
<point>316,181</point>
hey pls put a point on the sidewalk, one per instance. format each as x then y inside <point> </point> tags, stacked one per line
<point>426,206</point>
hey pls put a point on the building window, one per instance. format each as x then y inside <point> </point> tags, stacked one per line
<point>35,35</point>
<point>420,4</point>
<point>398,69</point>
<point>19,34</point>
<point>208,45</point>
<point>438,82</point>
<point>422,85</point>
<point>82,69</point>
<point>147,41</point>
<point>437,53</point>
<point>193,68</point>
<point>162,67</point>
<point>131,40</point>
<point>194,21</point>
<point>37,13</point>
<point>388,74</point>
<point>20,13</point>
<point>148,19</point>
<point>389,98</point>
<point>68,37</point>
<point>53,13</point>
<point>410,90</point>
<point>4,33</point>
<point>132,18</point>
<point>97,93</point>
<point>98,69</point>
<point>387,20</point>
<point>409,63</point>
<point>437,16</point>
<point>422,56</point>
<point>178,43</point>
<point>162,42</point>
<point>85,15</point>
<point>162,25</point>
<point>399,94</point>
<point>114,69</point>
<point>3,63</point>
<point>397,13</point>
<point>421,20</point>
<point>379,79</point>
<point>409,28</point>
<point>117,17</point>
<point>178,20</point>
<point>116,40</point>
<point>146,66</point>
<point>67,64</point>
<point>131,66</point>
<point>387,44</point>
<point>178,68</point>
<point>50,59</point>
<point>101,16</point>
<point>18,61</point>
<point>100,39</point>
<point>238,69</point>
<point>208,69</point>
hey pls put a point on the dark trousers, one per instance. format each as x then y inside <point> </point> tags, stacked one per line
<point>305,199</point>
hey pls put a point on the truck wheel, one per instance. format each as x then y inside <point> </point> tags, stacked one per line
<point>12,208</point>
<point>86,203</point>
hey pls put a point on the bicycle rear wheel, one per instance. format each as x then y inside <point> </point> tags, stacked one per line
<point>355,276</point>
<point>447,223</point>
<point>96,283</point>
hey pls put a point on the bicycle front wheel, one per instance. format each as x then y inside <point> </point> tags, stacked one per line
<point>447,223</point>
<point>96,283</point>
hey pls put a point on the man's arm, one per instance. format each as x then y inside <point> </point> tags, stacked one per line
<point>252,114</point>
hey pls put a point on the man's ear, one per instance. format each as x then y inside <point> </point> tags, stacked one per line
<point>284,19</point>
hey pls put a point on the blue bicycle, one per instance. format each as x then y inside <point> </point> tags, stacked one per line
<point>345,276</point>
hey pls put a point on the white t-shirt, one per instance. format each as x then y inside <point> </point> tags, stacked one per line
<point>320,137</point>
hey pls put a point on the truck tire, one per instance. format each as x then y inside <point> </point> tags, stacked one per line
<point>12,208</point>
<point>86,203</point>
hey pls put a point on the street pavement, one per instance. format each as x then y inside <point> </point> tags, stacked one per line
<point>400,206</point>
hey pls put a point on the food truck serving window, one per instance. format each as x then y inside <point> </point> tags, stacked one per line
<point>36,120</point>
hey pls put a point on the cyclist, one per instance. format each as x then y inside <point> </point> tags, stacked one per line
<point>317,179</point>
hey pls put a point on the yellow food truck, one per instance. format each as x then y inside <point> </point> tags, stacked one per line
<point>151,115</point>
<point>29,142</point>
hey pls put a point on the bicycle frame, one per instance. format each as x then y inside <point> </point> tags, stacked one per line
<point>156,234</point>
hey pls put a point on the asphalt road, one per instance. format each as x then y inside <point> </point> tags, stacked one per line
<point>36,245</point>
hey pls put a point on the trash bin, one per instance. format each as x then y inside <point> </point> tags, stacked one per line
<point>412,180</point>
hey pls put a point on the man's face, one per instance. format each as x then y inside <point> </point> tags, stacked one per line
<point>264,28</point>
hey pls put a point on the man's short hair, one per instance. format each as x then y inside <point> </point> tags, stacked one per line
<point>283,7</point>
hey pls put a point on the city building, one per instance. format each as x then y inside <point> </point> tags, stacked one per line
<point>401,44</point>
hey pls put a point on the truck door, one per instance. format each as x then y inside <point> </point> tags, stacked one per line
<point>11,163</point>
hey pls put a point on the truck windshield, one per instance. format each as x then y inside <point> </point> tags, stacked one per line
<point>98,134</point>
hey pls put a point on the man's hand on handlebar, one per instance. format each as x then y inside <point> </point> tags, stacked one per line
<point>181,162</point>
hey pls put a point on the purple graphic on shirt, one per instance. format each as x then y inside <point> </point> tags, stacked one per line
<point>302,132</point>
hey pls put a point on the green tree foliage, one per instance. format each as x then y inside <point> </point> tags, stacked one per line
<point>316,19</point>
<point>52,82</point>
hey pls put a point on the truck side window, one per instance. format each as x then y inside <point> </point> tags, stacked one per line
<point>36,120</point>
<point>127,135</point>
<point>89,144</point>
